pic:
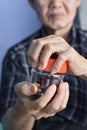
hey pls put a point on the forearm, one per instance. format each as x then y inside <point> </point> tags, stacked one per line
<point>16,119</point>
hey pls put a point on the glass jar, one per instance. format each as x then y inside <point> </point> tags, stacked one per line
<point>43,78</point>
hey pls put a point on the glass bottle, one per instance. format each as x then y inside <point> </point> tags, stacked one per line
<point>43,78</point>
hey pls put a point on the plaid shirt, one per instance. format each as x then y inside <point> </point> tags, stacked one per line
<point>16,69</point>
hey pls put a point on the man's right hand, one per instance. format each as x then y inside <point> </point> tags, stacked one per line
<point>26,111</point>
<point>53,100</point>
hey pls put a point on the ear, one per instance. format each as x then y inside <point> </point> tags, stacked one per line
<point>31,3</point>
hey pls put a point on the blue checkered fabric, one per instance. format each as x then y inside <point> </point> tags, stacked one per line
<point>16,69</point>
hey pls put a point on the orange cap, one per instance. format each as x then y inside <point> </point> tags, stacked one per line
<point>51,61</point>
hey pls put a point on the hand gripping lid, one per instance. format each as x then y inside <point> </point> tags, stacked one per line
<point>51,61</point>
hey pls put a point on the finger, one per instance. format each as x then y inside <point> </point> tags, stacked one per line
<point>25,89</point>
<point>65,101</point>
<point>36,47</point>
<point>48,50</point>
<point>30,50</point>
<point>39,114</point>
<point>45,55</point>
<point>55,104</point>
<point>45,98</point>
<point>58,63</point>
<point>38,44</point>
<point>34,58</point>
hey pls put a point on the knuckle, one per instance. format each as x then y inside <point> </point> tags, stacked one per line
<point>63,106</point>
<point>38,117</point>
<point>54,109</point>
<point>32,58</point>
<point>35,107</point>
<point>39,42</point>
<point>71,49</point>
<point>62,57</point>
<point>48,47</point>
<point>47,112</point>
<point>60,38</point>
<point>40,105</point>
<point>34,41</point>
<point>46,116</point>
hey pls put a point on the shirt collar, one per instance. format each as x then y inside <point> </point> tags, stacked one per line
<point>73,33</point>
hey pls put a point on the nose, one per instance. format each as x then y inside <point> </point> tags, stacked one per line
<point>56,3</point>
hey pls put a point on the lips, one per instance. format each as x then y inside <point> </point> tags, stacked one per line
<point>55,15</point>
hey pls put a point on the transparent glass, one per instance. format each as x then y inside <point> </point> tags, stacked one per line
<point>43,80</point>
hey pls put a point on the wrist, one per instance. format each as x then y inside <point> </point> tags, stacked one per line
<point>20,110</point>
<point>16,118</point>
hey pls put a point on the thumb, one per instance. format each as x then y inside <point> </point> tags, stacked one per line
<point>25,89</point>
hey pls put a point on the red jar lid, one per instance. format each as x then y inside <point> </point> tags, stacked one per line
<point>51,61</point>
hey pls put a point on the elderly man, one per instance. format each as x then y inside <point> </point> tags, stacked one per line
<point>62,108</point>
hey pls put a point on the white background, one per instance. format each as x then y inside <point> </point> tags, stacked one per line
<point>17,21</point>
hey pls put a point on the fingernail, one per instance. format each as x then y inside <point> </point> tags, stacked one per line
<point>64,85</point>
<point>53,71</point>
<point>40,66</point>
<point>30,90</point>
<point>33,64</point>
<point>28,87</point>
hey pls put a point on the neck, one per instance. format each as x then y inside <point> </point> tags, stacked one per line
<point>65,32</point>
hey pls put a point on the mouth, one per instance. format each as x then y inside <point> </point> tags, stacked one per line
<point>57,15</point>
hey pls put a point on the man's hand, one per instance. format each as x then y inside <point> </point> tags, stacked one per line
<point>53,100</point>
<point>23,115</point>
<point>43,48</point>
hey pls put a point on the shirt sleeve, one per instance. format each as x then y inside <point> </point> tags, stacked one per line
<point>12,73</point>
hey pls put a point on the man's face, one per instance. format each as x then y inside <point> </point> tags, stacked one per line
<point>56,14</point>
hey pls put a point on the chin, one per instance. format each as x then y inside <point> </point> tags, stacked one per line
<point>56,27</point>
